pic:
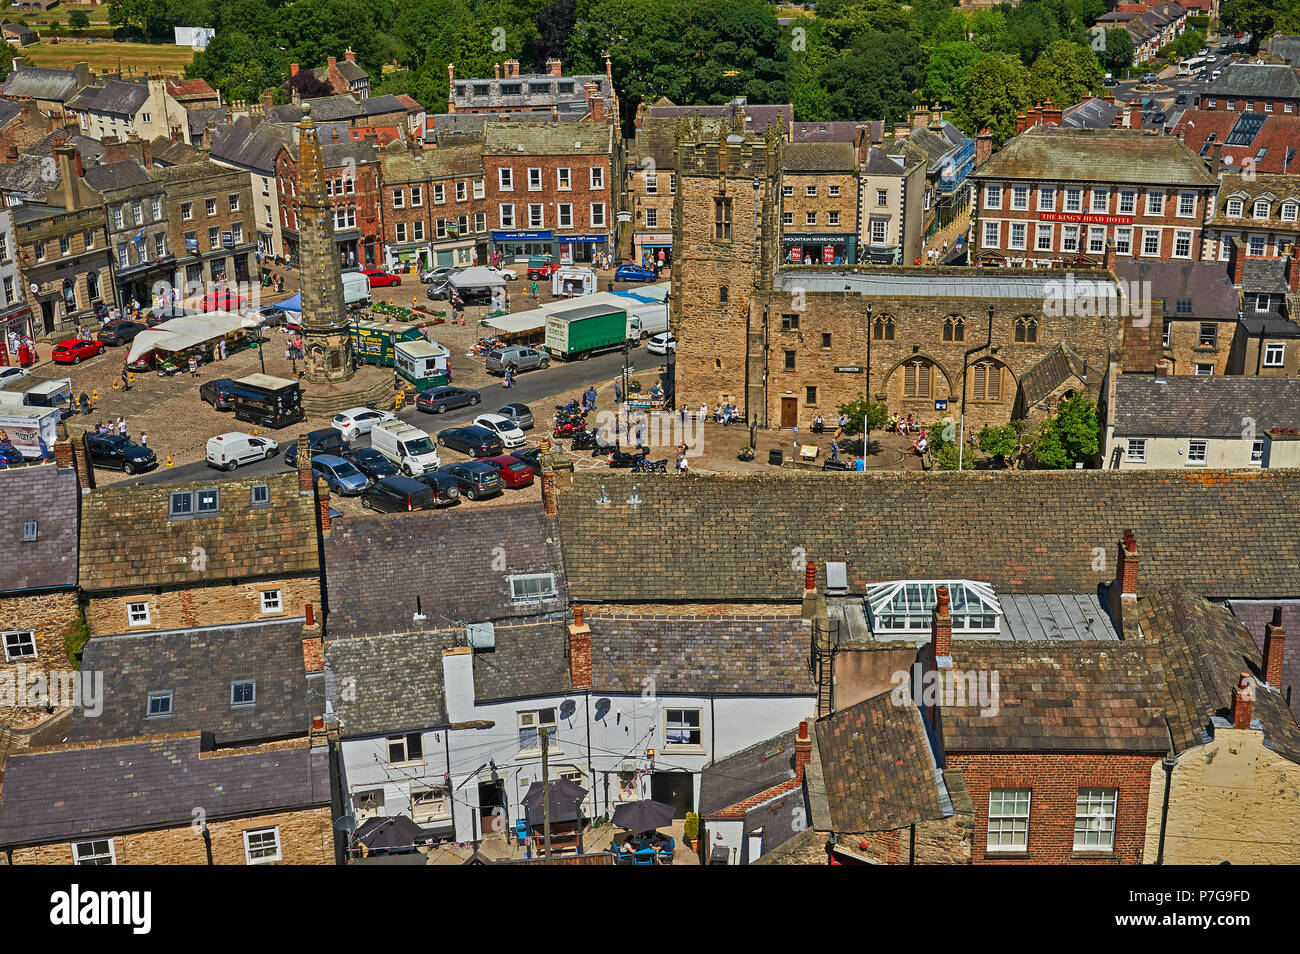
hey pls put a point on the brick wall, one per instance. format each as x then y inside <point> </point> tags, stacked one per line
<point>1231,800</point>
<point>580,196</point>
<point>306,838</point>
<point>203,606</point>
<point>1054,782</point>
<point>49,614</point>
<point>1185,350</point>
<point>822,204</point>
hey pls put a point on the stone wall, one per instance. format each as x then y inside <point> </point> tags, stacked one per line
<point>306,838</point>
<point>1231,800</point>
<point>203,605</point>
<point>49,614</point>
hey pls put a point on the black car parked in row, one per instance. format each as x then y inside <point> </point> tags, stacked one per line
<point>474,441</point>
<point>218,393</point>
<point>397,495</point>
<point>119,453</point>
<point>327,440</point>
<point>440,400</point>
<point>371,463</point>
<point>476,479</point>
<point>446,489</point>
<point>120,332</point>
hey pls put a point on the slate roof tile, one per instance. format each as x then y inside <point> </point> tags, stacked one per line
<point>47,496</point>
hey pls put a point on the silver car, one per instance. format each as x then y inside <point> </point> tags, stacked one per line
<point>524,359</point>
<point>521,414</point>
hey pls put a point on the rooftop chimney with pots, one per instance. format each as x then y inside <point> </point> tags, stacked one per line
<point>323,505</point>
<point>496,70</point>
<point>802,750</point>
<point>983,146</point>
<point>304,466</point>
<point>579,651</point>
<point>941,629</point>
<point>1162,370</point>
<point>349,55</point>
<point>1274,649</point>
<point>554,67</point>
<point>1243,701</point>
<point>293,70</point>
<point>1126,570</point>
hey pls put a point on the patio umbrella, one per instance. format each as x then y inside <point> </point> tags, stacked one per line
<point>394,833</point>
<point>566,801</point>
<point>643,816</point>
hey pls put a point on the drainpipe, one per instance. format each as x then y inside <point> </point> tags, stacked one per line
<point>713,730</point>
<point>965,362</point>
<point>1168,764</point>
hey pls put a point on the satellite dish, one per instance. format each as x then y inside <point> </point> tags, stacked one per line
<point>567,708</point>
<point>347,823</point>
<point>602,708</point>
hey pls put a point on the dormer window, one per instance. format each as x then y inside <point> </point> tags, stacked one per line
<point>1234,208</point>
<point>1261,209</point>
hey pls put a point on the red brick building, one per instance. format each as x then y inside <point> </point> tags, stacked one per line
<point>1264,88</point>
<point>434,206</point>
<point>550,189</point>
<point>1067,197</point>
<point>352,185</point>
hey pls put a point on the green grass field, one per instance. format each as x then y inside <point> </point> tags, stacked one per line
<point>108,55</point>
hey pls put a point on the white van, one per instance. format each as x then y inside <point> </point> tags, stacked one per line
<point>228,451</point>
<point>409,448</point>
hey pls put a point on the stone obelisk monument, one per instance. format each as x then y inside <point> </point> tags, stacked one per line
<point>327,344</point>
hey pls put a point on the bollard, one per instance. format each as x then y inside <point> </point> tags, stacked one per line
<point>130,376</point>
<point>94,394</point>
<point>116,385</point>
<point>169,460</point>
<point>255,432</point>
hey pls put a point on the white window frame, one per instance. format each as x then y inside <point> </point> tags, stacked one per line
<point>993,196</point>
<point>10,654</point>
<point>404,740</point>
<point>1204,370</point>
<point>536,215</point>
<point>521,585</point>
<point>652,218</point>
<point>506,179</point>
<point>534,178</point>
<point>809,219</point>
<point>1098,200</point>
<point>506,215</point>
<point>1198,452</point>
<point>1182,237</point>
<point>1155,202</point>
<point>480,189</point>
<point>417,230</point>
<point>133,611</point>
<point>1275,354</point>
<point>1069,238</point>
<point>242,704</point>
<point>833,191</point>
<point>1135,450</point>
<point>399,232</point>
<point>431,794</point>
<point>1044,237</point>
<point>535,721</point>
<point>1127,203</point>
<point>439,193</point>
<point>1096,239</point>
<point>249,849</point>
<point>1020,198</point>
<point>1185,199</point>
<point>1235,207</point>
<point>1150,234</point>
<point>1073,200</point>
<point>272,600</point>
<point>417,197</point>
<point>1008,826</point>
<point>810,191</point>
<point>832,218</point>
<point>564,213</point>
<point>598,215</point>
<point>1261,209</point>
<point>92,858</point>
<point>169,695</point>
<point>1256,245</point>
<point>1017,235</point>
<point>1047,198</point>
<point>598,177</point>
<point>368,803</point>
<point>992,235</point>
<point>1094,816</point>
<point>682,725</point>
<point>1289,212</point>
<point>1257,452</point>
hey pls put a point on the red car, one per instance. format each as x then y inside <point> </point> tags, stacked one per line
<point>514,472</point>
<point>74,349</point>
<point>381,279</point>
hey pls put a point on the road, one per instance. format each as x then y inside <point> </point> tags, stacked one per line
<point>561,378</point>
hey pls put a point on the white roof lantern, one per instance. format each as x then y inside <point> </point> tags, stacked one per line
<point>904,607</point>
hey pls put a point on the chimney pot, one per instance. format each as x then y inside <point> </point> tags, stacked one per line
<point>802,749</point>
<point>810,576</point>
<point>311,615</point>
<point>941,625</point>
<point>1243,702</point>
<point>1274,649</point>
<point>317,722</point>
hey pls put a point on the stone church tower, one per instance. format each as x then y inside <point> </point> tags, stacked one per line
<point>725,236</point>
<point>327,343</point>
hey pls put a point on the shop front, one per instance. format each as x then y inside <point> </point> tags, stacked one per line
<point>417,256</point>
<point>653,246</point>
<point>819,248</point>
<point>521,246</point>
<point>348,242</point>
<point>581,248</point>
<point>138,281</point>
<point>16,329</point>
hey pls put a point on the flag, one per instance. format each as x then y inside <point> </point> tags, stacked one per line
<point>139,238</point>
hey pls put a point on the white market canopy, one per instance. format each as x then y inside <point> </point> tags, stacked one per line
<point>520,322</point>
<point>476,276</point>
<point>180,334</point>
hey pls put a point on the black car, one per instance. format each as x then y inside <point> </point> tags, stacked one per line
<point>1159,117</point>
<point>327,440</point>
<point>397,495</point>
<point>474,441</point>
<point>120,332</point>
<point>445,488</point>
<point>119,453</point>
<point>476,480</point>
<point>371,463</point>
<point>532,456</point>
<point>218,394</point>
<point>439,400</point>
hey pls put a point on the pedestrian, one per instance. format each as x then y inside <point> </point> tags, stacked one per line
<point>144,439</point>
<point>121,426</point>
<point>194,366</point>
<point>618,393</point>
<point>534,291</point>
<point>223,349</point>
<point>835,450</point>
<point>345,445</point>
<point>126,378</point>
<point>84,401</point>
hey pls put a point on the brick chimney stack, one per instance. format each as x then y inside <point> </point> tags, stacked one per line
<point>802,749</point>
<point>293,70</point>
<point>595,102</point>
<point>323,505</point>
<point>1243,701</point>
<point>350,55</point>
<point>579,651</point>
<point>268,99</point>
<point>304,466</point>
<point>941,625</point>
<point>1126,570</point>
<point>548,489</point>
<point>810,576</point>
<point>983,147</point>
<point>554,67</point>
<point>1274,647</point>
<point>1162,370</point>
<point>333,62</point>
<point>451,87</point>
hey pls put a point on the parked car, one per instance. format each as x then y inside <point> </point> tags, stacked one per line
<point>360,420</point>
<point>541,266</point>
<point>437,275</point>
<point>341,475</point>
<point>324,441</point>
<point>634,273</point>
<point>530,457</point>
<point>381,279</point>
<point>440,290</point>
<point>12,373</point>
<point>521,414</point>
<point>10,455</point>
<point>509,274</point>
<point>218,394</point>
<point>661,344</point>
<point>397,495</point>
<point>444,487</point>
<point>470,294</point>
<point>476,480</point>
<point>1180,99</point>
<point>473,441</point>
<point>74,350</point>
<point>524,359</point>
<point>440,400</point>
<point>514,473</point>
<point>504,428</point>
<point>120,332</point>
<point>1110,81</point>
<point>228,451</point>
<point>371,463</point>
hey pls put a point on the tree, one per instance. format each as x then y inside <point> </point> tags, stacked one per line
<point>1009,444</point>
<point>944,444</point>
<point>1119,51</point>
<point>307,86</point>
<point>1261,17</point>
<point>876,78</point>
<point>6,60</point>
<point>1071,437</point>
<point>948,68</point>
<point>876,413</point>
<point>1066,73</point>
<point>78,20</point>
<point>995,93</point>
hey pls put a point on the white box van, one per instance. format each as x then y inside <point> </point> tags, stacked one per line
<point>228,451</point>
<point>410,449</point>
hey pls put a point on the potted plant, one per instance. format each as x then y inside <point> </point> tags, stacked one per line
<point>746,453</point>
<point>691,831</point>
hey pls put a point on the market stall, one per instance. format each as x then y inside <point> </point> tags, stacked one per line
<point>571,280</point>
<point>522,327</point>
<point>169,345</point>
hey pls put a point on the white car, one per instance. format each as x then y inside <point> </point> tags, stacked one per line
<point>12,373</point>
<point>511,436</point>
<point>228,451</point>
<point>360,420</point>
<point>661,344</point>
<point>509,274</point>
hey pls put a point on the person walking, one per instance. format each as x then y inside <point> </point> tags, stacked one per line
<point>534,291</point>
<point>223,349</point>
<point>618,393</point>
<point>126,378</point>
<point>194,366</point>
<point>121,426</point>
<point>144,439</point>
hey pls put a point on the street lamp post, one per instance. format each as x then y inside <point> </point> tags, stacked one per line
<point>965,363</point>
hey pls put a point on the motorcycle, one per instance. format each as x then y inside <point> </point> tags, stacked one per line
<point>569,428</point>
<point>584,440</point>
<point>643,466</point>
<point>626,459</point>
